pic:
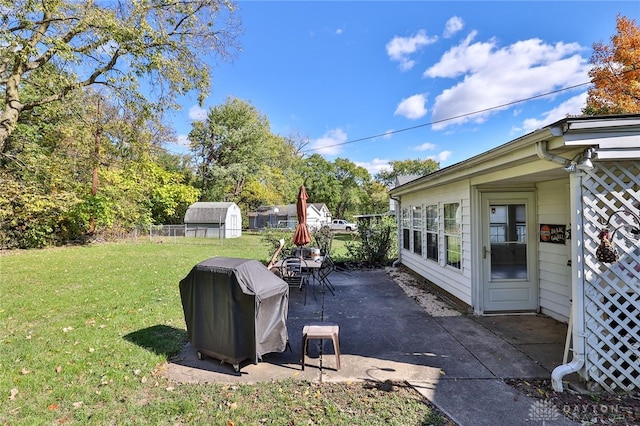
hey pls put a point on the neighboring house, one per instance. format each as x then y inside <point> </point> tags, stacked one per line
<point>321,218</point>
<point>286,216</point>
<point>516,229</point>
<point>213,220</point>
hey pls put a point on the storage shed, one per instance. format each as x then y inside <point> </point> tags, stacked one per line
<point>213,220</point>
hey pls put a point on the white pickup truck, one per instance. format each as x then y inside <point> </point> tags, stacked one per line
<point>343,225</point>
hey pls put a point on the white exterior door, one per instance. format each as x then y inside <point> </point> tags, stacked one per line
<point>510,277</point>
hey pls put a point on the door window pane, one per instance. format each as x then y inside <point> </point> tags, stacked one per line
<point>508,236</point>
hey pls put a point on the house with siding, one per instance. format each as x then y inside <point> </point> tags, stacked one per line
<point>516,230</point>
<point>286,216</point>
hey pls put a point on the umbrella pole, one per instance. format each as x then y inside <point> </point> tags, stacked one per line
<point>321,342</point>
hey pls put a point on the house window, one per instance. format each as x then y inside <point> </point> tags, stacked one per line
<point>452,236</point>
<point>417,229</point>
<point>406,223</point>
<point>432,232</point>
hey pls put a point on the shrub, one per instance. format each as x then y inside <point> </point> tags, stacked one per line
<point>376,243</point>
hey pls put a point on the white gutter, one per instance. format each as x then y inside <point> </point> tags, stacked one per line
<point>543,154</point>
<point>577,278</point>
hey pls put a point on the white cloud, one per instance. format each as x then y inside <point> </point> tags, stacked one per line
<point>572,106</point>
<point>388,134</point>
<point>453,25</point>
<point>197,113</point>
<point>183,140</point>
<point>427,146</point>
<point>400,48</point>
<point>330,143</point>
<point>375,166</point>
<point>490,76</point>
<point>442,156</point>
<point>339,31</point>
<point>412,107</point>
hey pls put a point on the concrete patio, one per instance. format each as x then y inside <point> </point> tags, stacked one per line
<point>457,362</point>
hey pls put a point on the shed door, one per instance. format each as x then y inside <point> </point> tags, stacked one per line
<point>508,252</point>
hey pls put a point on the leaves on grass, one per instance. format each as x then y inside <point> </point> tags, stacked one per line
<point>14,393</point>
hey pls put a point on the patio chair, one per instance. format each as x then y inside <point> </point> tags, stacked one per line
<point>292,272</point>
<point>327,267</point>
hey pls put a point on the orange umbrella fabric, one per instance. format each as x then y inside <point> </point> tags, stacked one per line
<point>301,237</point>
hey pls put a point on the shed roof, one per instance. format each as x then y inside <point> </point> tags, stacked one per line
<point>207,212</point>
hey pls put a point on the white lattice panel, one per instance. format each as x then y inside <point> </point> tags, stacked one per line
<point>612,291</point>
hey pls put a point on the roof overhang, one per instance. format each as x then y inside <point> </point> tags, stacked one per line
<point>613,137</point>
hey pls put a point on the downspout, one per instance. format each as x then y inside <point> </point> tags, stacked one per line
<point>543,154</point>
<point>577,278</point>
<point>577,289</point>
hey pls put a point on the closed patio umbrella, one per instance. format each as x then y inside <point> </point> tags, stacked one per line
<point>301,237</point>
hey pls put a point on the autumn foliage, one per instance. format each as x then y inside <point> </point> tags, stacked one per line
<point>616,72</point>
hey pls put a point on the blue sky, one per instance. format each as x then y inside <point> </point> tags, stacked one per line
<point>377,81</point>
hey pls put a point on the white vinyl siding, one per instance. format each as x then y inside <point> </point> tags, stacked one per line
<point>555,272</point>
<point>455,281</point>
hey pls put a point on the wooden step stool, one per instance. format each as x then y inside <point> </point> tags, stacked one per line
<point>321,330</point>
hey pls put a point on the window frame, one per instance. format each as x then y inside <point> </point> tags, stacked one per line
<point>416,226</point>
<point>432,231</point>
<point>406,232</point>
<point>452,227</point>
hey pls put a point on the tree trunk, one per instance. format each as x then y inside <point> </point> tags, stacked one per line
<point>9,118</point>
<point>96,163</point>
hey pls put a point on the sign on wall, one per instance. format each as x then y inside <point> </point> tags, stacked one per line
<point>553,233</point>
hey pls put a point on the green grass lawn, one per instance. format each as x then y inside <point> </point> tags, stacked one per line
<point>85,330</point>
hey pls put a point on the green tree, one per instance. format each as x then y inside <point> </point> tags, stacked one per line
<point>113,45</point>
<point>319,176</point>
<point>404,168</point>
<point>30,216</point>
<point>48,174</point>
<point>376,199</point>
<point>352,180</point>
<point>230,146</point>
<point>45,167</point>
